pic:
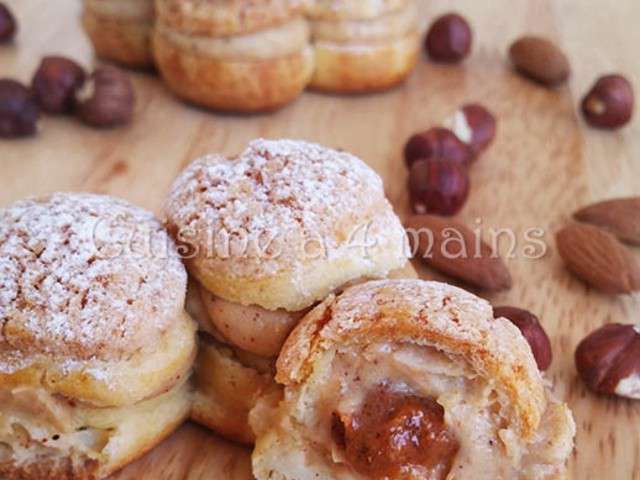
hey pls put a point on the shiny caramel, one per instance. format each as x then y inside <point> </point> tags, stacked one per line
<point>397,436</point>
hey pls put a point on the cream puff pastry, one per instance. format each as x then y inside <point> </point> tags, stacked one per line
<point>95,345</point>
<point>409,379</point>
<point>120,30</point>
<point>233,55</point>
<point>267,235</point>
<point>362,46</point>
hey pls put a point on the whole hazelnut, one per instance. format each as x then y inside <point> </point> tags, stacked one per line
<point>19,112</point>
<point>437,186</point>
<point>107,98</point>
<point>532,331</point>
<point>8,24</point>
<point>437,143</point>
<point>55,84</point>
<point>540,59</point>
<point>608,360</point>
<point>449,38</point>
<point>475,126</point>
<point>609,103</point>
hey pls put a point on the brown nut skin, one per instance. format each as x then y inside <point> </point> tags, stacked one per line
<point>449,39</point>
<point>55,84</point>
<point>608,360</point>
<point>610,103</point>
<point>8,25</point>
<point>476,126</point>
<point>437,143</point>
<point>532,331</point>
<point>107,99</point>
<point>540,59</point>
<point>439,187</point>
<point>19,111</point>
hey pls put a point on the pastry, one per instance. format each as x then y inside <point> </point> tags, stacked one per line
<point>410,379</point>
<point>120,30</point>
<point>266,235</point>
<point>238,55</point>
<point>96,347</point>
<point>362,46</point>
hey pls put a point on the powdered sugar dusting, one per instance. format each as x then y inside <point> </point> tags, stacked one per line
<point>293,193</point>
<point>84,276</point>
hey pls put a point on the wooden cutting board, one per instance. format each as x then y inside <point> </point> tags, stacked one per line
<point>544,164</point>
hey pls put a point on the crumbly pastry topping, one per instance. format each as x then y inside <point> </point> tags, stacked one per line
<point>279,205</point>
<point>84,276</point>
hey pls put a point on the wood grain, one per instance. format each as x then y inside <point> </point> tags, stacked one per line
<point>544,164</point>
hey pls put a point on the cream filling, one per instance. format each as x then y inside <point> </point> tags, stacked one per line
<point>123,10</point>
<point>352,9</point>
<point>473,411</point>
<point>388,27</point>
<point>287,39</point>
<point>33,422</point>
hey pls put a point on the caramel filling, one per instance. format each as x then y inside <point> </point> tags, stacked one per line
<point>395,435</point>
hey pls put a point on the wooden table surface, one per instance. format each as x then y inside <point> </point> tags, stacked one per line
<point>544,164</point>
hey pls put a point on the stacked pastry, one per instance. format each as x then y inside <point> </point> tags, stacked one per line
<point>363,45</point>
<point>234,55</point>
<point>267,235</point>
<point>120,30</point>
<point>96,347</point>
<point>409,379</point>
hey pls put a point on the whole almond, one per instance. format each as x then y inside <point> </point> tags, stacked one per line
<point>620,216</point>
<point>454,249</point>
<point>540,60</point>
<point>598,258</point>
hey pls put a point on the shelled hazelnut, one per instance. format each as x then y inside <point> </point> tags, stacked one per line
<point>8,25</point>
<point>609,103</point>
<point>449,39</point>
<point>107,98</point>
<point>438,186</point>
<point>437,143</point>
<point>532,331</point>
<point>55,84</point>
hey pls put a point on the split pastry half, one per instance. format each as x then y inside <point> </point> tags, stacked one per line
<point>95,346</point>
<point>363,46</point>
<point>243,56</point>
<point>121,30</point>
<point>414,380</point>
<point>266,236</point>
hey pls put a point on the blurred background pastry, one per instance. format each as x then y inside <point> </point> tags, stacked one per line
<point>363,46</point>
<point>96,347</point>
<point>241,55</point>
<point>267,235</point>
<point>410,379</point>
<point>120,30</point>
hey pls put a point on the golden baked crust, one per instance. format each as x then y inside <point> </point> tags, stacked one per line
<point>437,341</point>
<point>227,389</point>
<point>123,40</point>
<point>365,67</point>
<point>322,213</point>
<point>93,296</point>
<point>222,18</point>
<point>242,86</point>
<point>352,9</point>
<point>124,434</point>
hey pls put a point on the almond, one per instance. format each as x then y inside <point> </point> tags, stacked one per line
<point>454,249</point>
<point>620,216</point>
<point>540,59</point>
<point>598,258</point>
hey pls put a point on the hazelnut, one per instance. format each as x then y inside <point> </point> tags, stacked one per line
<point>107,98</point>
<point>437,186</point>
<point>55,84</point>
<point>532,331</point>
<point>437,143</point>
<point>8,24</point>
<point>608,360</point>
<point>475,126</point>
<point>609,103</point>
<point>19,112</point>
<point>540,59</point>
<point>449,39</point>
